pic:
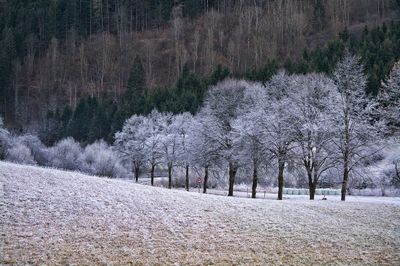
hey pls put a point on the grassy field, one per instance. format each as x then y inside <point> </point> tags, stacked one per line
<point>55,217</point>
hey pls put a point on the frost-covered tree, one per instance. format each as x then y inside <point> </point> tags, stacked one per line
<point>221,106</point>
<point>154,125</point>
<point>277,122</point>
<point>184,126</point>
<point>249,135</point>
<point>130,142</point>
<point>389,99</point>
<point>203,150</point>
<point>169,142</point>
<point>355,130</point>
<point>314,98</point>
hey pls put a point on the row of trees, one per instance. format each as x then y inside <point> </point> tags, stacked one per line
<point>321,123</point>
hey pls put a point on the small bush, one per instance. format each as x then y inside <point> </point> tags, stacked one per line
<point>99,159</point>
<point>40,152</point>
<point>65,154</point>
<point>20,154</point>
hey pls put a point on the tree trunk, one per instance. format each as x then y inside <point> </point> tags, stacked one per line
<point>232,174</point>
<point>345,180</point>
<point>313,187</point>
<point>280,179</point>
<point>152,174</point>
<point>346,155</point>
<point>187,177</point>
<point>137,168</point>
<point>314,183</point>
<point>255,181</point>
<point>311,184</point>
<point>205,179</point>
<point>169,176</point>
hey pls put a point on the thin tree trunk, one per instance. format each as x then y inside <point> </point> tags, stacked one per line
<point>169,176</point>
<point>152,174</point>
<point>255,181</point>
<point>232,174</point>
<point>346,156</point>
<point>187,177</point>
<point>280,179</point>
<point>137,169</point>
<point>205,179</point>
<point>345,180</point>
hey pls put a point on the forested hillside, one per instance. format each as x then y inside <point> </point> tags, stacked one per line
<point>87,65</point>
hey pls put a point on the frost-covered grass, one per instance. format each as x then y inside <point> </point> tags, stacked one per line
<point>55,217</point>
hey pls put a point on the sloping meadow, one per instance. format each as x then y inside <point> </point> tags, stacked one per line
<point>55,217</point>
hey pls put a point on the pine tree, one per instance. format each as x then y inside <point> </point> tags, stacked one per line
<point>99,124</point>
<point>79,125</point>
<point>136,92</point>
<point>7,57</point>
<point>188,93</point>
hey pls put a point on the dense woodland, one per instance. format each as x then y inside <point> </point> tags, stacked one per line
<point>87,65</point>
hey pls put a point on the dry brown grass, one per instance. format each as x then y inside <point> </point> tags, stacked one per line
<point>55,217</point>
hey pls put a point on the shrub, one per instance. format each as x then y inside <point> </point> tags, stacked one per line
<point>99,159</point>
<point>40,152</point>
<point>65,154</point>
<point>20,154</point>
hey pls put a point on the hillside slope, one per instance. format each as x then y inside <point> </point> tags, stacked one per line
<point>54,53</point>
<point>56,217</point>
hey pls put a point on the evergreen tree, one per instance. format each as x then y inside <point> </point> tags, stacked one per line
<point>134,99</point>
<point>79,125</point>
<point>7,57</point>
<point>99,125</point>
<point>219,74</point>
<point>188,93</point>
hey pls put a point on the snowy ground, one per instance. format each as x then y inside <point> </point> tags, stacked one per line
<point>55,217</point>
